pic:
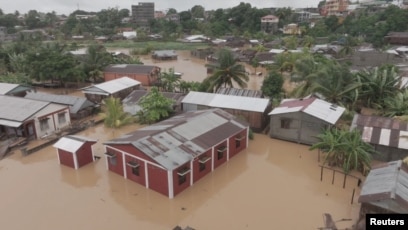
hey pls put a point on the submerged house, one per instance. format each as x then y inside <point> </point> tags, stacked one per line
<point>79,107</point>
<point>147,75</point>
<point>252,109</point>
<point>31,119</point>
<point>385,189</point>
<point>164,55</point>
<point>388,136</point>
<point>118,88</point>
<point>301,120</point>
<point>13,89</point>
<point>172,155</point>
<point>131,102</point>
<point>75,151</point>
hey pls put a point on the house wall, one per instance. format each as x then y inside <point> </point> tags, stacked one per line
<point>158,180</point>
<point>177,187</point>
<point>141,178</point>
<point>257,120</point>
<point>66,158</point>
<point>388,153</point>
<point>84,154</point>
<point>116,167</point>
<point>223,159</point>
<point>302,127</point>
<point>97,98</point>
<point>144,79</point>
<point>197,173</point>
<point>237,143</point>
<point>53,123</point>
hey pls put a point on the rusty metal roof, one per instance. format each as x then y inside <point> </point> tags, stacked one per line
<point>252,104</point>
<point>240,92</point>
<point>313,106</point>
<point>386,187</point>
<point>382,130</point>
<point>130,68</point>
<point>179,139</point>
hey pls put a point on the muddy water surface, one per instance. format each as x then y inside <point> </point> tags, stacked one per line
<point>271,185</point>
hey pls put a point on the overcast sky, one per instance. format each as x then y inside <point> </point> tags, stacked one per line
<point>68,6</point>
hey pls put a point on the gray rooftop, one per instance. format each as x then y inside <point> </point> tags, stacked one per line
<point>15,110</point>
<point>110,87</point>
<point>179,139</point>
<point>8,88</point>
<point>386,187</point>
<point>75,103</point>
<point>130,68</point>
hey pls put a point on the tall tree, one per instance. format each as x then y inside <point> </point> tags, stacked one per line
<point>227,72</point>
<point>272,85</point>
<point>96,59</point>
<point>345,149</point>
<point>154,107</point>
<point>113,114</point>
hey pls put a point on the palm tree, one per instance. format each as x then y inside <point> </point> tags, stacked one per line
<point>345,149</point>
<point>337,85</point>
<point>169,81</point>
<point>377,84</point>
<point>114,116</point>
<point>227,72</point>
<point>397,105</point>
<point>96,59</point>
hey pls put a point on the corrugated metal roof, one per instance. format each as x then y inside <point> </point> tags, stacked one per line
<point>6,87</point>
<point>164,53</point>
<point>382,130</point>
<point>240,92</point>
<point>386,186</point>
<point>313,106</point>
<point>112,86</point>
<point>130,68</point>
<point>19,109</point>
<point>75,103</point>
<point>71,143</point>
<point>177,140</point>
<point>227,101</point>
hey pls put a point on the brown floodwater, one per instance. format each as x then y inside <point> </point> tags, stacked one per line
<point>271,185</point>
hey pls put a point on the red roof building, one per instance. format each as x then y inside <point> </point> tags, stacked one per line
<point>75,151</point>
<point>170,156</point>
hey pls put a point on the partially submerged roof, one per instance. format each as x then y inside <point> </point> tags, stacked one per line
<point>15,110</point>
<point>75,103</point>
<point>177,140</point>
<point>164,53</point>
<point>130,68</point>
<point>252,104</point>
<point>240,92</point>
<point>110,87</point>
<point>382,130</point>
<point>8,88</point>
<point>313,106</point>
<point>386,187</point>
<point>71,143</point>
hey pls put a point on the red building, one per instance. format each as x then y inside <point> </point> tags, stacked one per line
<point>172,155</point>
<point>75,151</point>
<point>147,75</point>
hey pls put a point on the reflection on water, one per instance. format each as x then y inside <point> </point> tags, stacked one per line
<point>272,184</point>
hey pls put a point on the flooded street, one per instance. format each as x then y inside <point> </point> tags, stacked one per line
<point>271,185</point>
